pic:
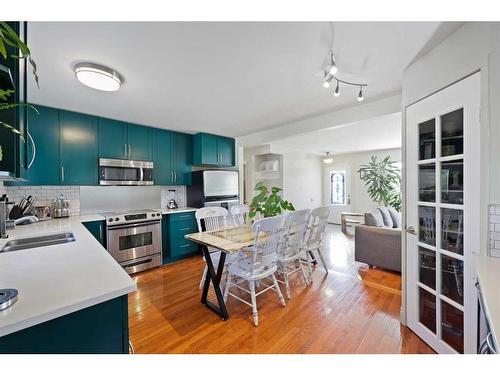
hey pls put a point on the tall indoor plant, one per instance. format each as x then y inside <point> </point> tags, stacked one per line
<point>268,204</point>
<point>10,40</point>
<point>383,178</point>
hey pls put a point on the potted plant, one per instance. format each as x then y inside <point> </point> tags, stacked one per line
<point>268,204</point>
<point>383,179</point>
<point>9,38</point>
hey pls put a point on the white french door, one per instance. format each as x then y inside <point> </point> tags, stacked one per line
<point>442,208</point>
<point>337,191</point>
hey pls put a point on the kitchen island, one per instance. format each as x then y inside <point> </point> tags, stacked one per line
<point>72,296</point>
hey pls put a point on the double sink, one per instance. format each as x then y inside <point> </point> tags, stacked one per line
<point>38,241</point>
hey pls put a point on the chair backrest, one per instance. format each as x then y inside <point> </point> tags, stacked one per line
<point>211,218</point>
<point>239,212</point>
<point>317,226</point>
<point>269,233</point>
<point>296,223</point>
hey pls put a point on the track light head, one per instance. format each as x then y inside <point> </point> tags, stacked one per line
<point>337,91</point>
<point>326,84</point>
<point>360,95</point>
<point>333,65</point>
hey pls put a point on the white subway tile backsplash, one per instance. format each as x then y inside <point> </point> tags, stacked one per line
<point>494,232</point>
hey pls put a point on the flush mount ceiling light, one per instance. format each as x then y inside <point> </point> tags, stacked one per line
<point>98,77</point>
<point>329,76</point>
<point>328,159</point>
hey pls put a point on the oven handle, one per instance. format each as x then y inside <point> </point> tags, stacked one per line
<point>142,224</point>
<point>138,263</point>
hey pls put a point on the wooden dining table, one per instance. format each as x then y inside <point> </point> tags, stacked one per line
<point>229,241</point>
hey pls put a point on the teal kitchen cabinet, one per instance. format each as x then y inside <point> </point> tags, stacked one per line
<point>96,228</point>
<point>210,149</point>
<point>182,147</point>
<point>162,157</point>
<point>121,140</point>
<point>139,142</point>
<point>174,228</point>
<point>112,139</point>
<point>98,329</point>
<point>78,149</point>
<point>226,152</point>
<point>44,130</point>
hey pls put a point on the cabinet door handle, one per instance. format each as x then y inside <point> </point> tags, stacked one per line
<point>126,150</point>
<point>175,177</point>
<point>62,173</point>
<point>34,150</point>
<point>129,151</point>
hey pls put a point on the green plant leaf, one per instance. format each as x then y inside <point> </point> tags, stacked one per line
<point>5,94</point>
<point>3,51</point>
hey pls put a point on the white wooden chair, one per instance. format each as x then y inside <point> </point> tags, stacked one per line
<point>314,238</point>
<point>257,263</point>
<point>292,253</point>
<point>239,212</point>
<point>209,219</point>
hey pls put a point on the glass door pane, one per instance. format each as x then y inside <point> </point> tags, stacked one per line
<point>452,182</point>
<point>452,230</point>
<point>427,139</point>
<point>427,225</point>
<point>427,183</point>
<point>452,133</point>
<point>427,309</point>
<point>427,266</point>
<point>452,326</point>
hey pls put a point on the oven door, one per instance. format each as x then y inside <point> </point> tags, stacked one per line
<point>132,241</point>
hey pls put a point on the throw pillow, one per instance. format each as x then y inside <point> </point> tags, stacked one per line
<point>386,216</point>
<point>395,216</point>
<point>374,219</point>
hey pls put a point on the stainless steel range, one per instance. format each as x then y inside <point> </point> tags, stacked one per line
<point>134,238</point>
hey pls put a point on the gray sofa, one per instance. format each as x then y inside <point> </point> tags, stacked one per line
<point>378,242</point>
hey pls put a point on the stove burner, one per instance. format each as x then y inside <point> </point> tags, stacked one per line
<point>7,298</point>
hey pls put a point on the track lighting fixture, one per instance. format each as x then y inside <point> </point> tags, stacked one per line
<point>360,95</point>
<point>329,75</point>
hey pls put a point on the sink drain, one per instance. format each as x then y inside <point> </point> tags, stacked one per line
<point>7,298</point>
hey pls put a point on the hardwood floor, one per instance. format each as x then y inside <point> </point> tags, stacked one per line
<point>353,309</point>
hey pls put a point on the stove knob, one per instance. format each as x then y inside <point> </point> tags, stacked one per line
<point>117,219</point>
<point>110,220</point>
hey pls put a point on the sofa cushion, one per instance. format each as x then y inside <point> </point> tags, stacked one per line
<point>374,218</point>
<point>395,216</point>
<point>386,216</point>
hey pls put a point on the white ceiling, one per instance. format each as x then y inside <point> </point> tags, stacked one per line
<point>227,78</point>
<point>378,133</point>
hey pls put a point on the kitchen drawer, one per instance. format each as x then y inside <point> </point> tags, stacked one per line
<point>182,217</point>
<point>181,228</point>
<point>182,246</point>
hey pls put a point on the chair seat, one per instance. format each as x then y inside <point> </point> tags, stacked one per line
<point>242,268</point>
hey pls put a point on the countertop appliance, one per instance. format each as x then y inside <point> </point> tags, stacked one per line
<point>125,172</point>
<point>172,204</point>
<point>60,207</point>
<point>133,238</point>
<point>216,187</point>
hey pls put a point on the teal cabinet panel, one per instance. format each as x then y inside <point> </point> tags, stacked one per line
<point>162,157</point>
<point>174,228</point>
<point>78,149</point>
<point>99,329</point>
<point>179,229</point>
<point>182,146</point>
<point>205,151</point>
<point>96,228</point>
<point>226,152</point>
<point>182,216</point>
<point>139,142</point>
<point>44,129</point>
<point>112,139</point>
<point>210,149</point>
<point>182,246</point>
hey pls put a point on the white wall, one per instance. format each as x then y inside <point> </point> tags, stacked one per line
<point>360,200</point>
<point>301,174</point>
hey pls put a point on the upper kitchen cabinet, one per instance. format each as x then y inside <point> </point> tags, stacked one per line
<point>120,140</point>
<point>182,147</point>
<point>139,142</point>
<point>78,149</point>
<point>112,139</point>
<point>163,173</point>
<point>209,149</point>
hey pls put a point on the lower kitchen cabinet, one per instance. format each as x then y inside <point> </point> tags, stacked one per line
<point>96,228</point>
<point>174,228</point>
<point>98,329</point>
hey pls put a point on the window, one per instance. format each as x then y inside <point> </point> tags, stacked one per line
<point>338,187</point>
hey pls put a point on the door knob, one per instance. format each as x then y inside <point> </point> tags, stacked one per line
<point>411,230</point>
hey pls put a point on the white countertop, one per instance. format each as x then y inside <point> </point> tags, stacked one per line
<point>488,272</point>
<point>57,280</point>
<point>166,211</point>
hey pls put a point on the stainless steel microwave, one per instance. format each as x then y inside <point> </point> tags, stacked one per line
<point>125,172</point>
